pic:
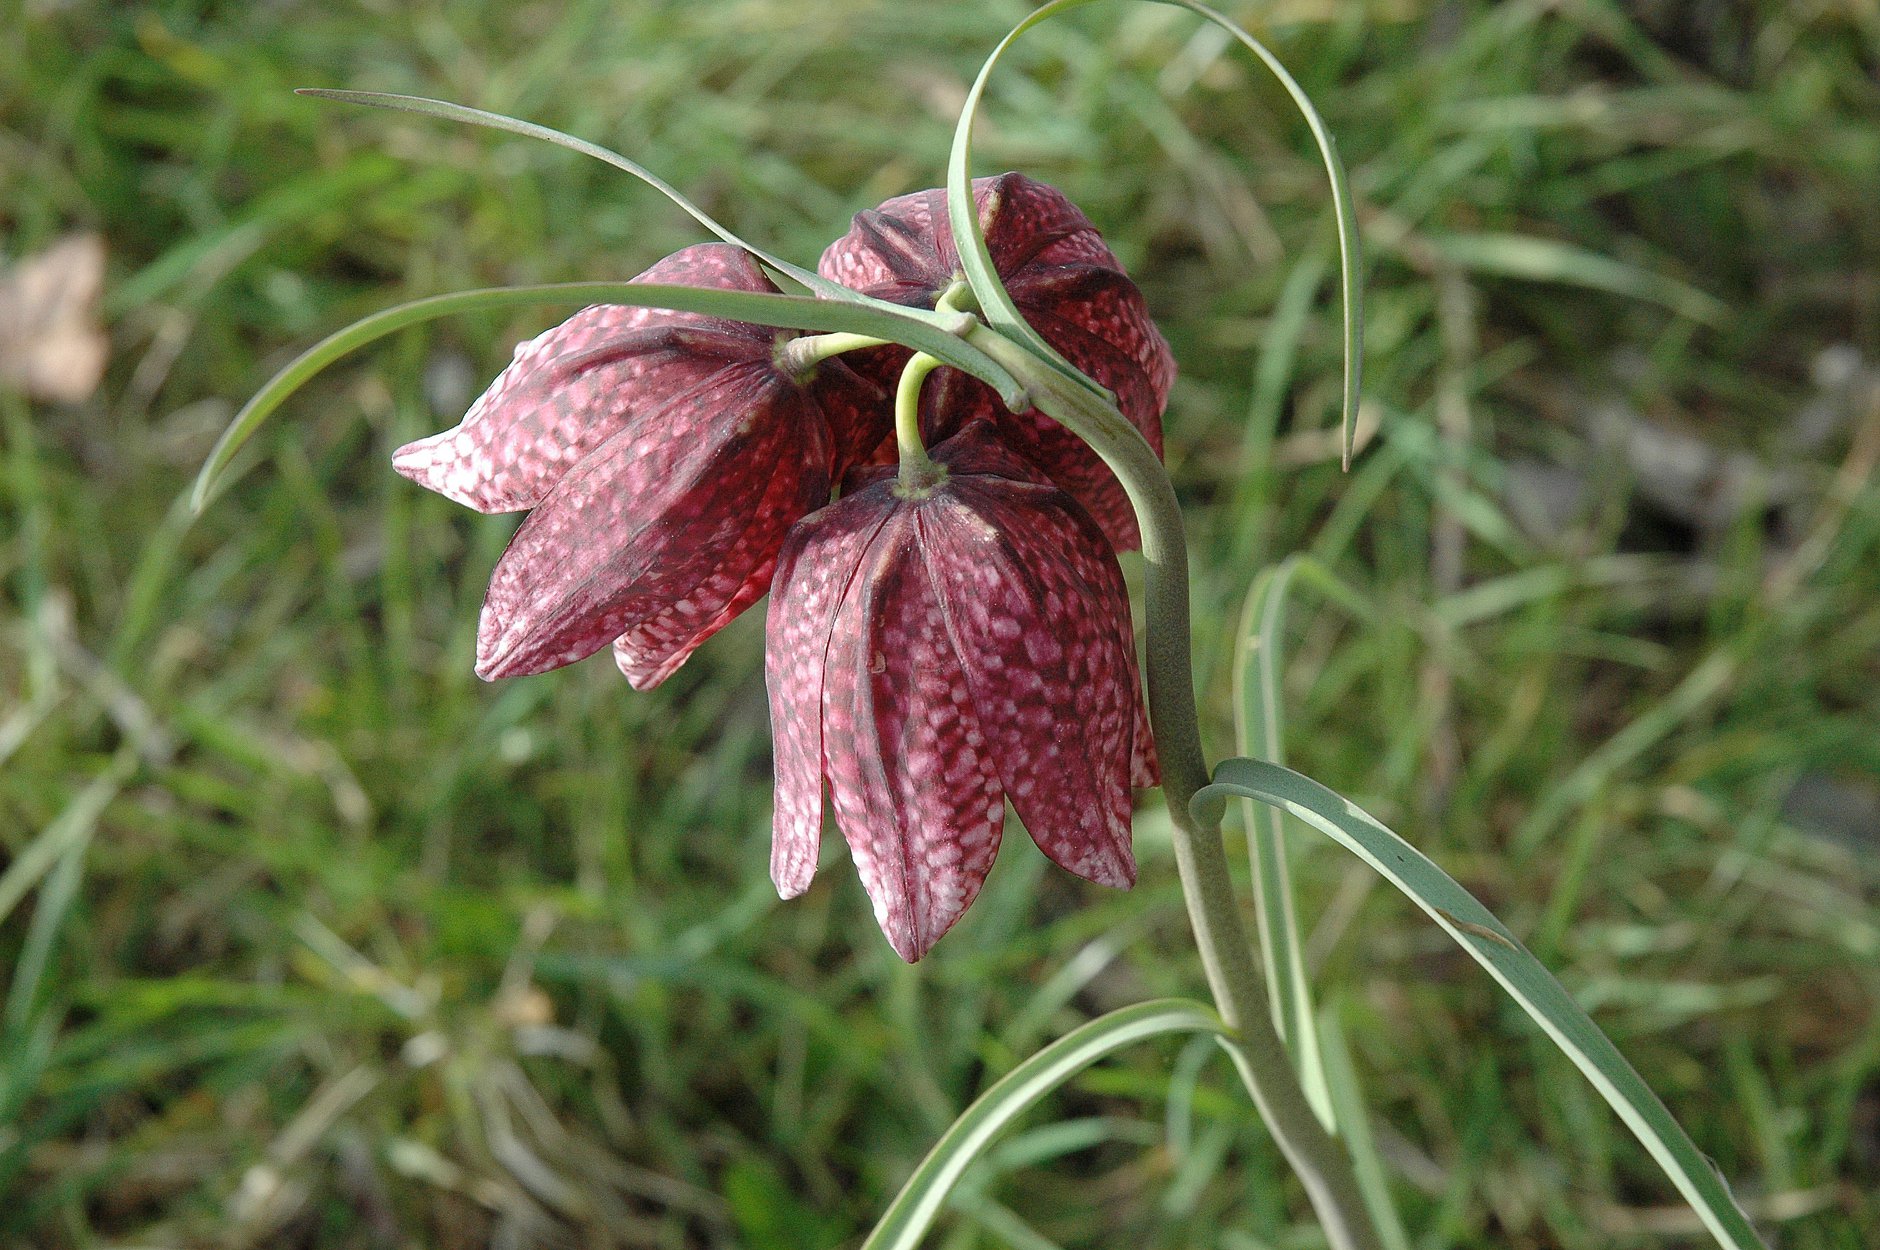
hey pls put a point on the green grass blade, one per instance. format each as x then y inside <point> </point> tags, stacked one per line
<point>914,1208</point>
<point>496,121</point>
<point>1341,1078</point>
<point>73,827</point>
<point>1485,938</point>
<point>1549,260</point>
<point>1259,730</point>
<point>796,312</point>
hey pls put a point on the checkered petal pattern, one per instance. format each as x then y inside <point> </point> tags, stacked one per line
<point>932,655</point>
<point>664,454</point>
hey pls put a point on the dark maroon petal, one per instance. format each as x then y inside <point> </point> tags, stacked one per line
<point>649,516</point>
<point>915,792</point>
<point>575,386</point>
<point>1038,614</point>
<point>975,452</point>
<point>723,582</point>
<point>859,412</point>
<point>819,562</point>
<point>1099,315</point>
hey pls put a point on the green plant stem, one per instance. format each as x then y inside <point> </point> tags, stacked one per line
<point>1200,857</point>
<point>800,356</point>
<point>918,471</point>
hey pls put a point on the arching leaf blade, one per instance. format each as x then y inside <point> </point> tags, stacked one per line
<point>445,109</point>
<point>1523,976</point>
<point>796,312</point>
<point>1350,261</point>
<point>997,304</point>
<point>1259,731</point>
<point>969,238</point>
<point>913,1210</point>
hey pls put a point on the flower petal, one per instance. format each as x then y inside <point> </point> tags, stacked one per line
<point>1069,287</point>
<point>819,562</point>
<point>915,791</point>
<point>1037,611</point>
<point>573,387</point>
<point>648,517</point>
<point>722,585</point>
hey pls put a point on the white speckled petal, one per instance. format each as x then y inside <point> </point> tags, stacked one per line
<point>820,560</point>
<point>1038,614</point>
<point>915,791</point>
<point>648,519</point>
<point>1069,287</point>
<point>573,387</point>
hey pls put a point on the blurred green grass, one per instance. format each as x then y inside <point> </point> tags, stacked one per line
<point>314,940</point>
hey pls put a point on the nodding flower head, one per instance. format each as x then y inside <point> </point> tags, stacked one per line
<point>1068,286</point>
<point>664,455</point>
<point>932,653</point>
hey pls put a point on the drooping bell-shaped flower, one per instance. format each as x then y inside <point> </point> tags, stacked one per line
<point>934,652</point>
<point>1068,286</point>
<point>664,454</point>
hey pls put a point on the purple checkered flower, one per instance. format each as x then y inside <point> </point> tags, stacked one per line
<point>933,653</point>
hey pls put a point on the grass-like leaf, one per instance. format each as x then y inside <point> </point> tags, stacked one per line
<point>796,312</point>
<point>991,293</point>
<point>1485,938</point>
<point>1354,1127</point>
<point>497,121</point>
<point>1259,731</point>
<point>970,239</point>
<point>1349,260</point>
<point>1549,260</point>
<point>914,1208</point>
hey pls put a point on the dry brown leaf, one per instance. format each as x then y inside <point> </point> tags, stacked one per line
<point>51,346</point>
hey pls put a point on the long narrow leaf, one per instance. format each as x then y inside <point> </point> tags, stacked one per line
<point>913,1210</point>
<point>496,121</point>
<point>72,827</point>
<point>448,111</point>
<point>1259,732</point>
<point>1367,1165</point>
<point>797,312</point>
<point>991,293</point>
<point>1349,260</point>
<point>968,236</point>
<point>1485,938</point>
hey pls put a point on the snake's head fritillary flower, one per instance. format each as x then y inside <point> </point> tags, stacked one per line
<point>1068,286</point>
<point>664,454</point>
<point>934,652</point>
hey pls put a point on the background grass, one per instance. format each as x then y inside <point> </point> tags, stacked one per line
<point>314,940</point>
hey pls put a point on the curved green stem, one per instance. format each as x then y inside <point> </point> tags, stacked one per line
<point>799,357</point>
<point>918,471</point>
<point>1200,857</point>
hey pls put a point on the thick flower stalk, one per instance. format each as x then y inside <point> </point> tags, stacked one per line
<point>934,652</point>
<point>1070,288</point>
<point>664,454</point>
